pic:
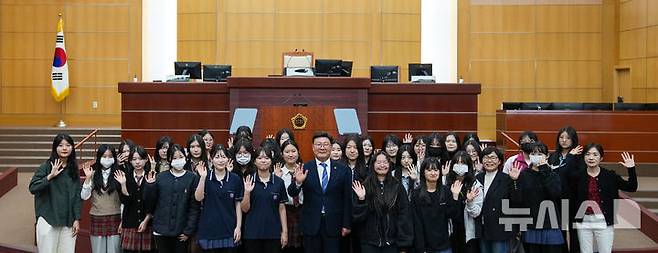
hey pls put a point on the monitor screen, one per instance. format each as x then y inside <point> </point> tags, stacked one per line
<point>216,73</point>
<point>346,68</point>
<point>420,69</point>
<point>188,68</point>
<point>629,107</point>
<point>537,106</point>
<point>384,74</point>
<point>567,106</point>
<point>325,67</point>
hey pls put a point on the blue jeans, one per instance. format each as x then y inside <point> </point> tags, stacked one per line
<point>489,246</point>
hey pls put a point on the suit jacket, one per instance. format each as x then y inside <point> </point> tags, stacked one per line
<point>337,200</point>
<point>487,224</point>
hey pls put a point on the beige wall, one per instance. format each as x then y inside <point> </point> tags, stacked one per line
<point>638,49</point>
<point>251,35</point>
<point>556,51</point>
<point>103,44</point>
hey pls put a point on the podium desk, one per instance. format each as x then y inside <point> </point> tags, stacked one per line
<point>150,110</point>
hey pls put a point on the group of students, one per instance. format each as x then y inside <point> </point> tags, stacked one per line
<point>416,194</point>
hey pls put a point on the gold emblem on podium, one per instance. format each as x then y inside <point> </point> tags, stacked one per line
<point>299,121</point>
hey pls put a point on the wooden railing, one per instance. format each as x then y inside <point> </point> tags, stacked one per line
<point>92,134</point>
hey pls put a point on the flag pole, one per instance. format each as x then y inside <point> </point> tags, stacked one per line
<point>61,123</point>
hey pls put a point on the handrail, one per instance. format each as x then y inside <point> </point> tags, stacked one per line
<point>86,138</point>
<point>510,138</point>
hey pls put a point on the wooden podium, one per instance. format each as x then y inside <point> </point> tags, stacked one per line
<point>151,110</point>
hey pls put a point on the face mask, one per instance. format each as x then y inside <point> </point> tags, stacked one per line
<point>433,151</point>
<point>526,147</point>
<point>107,162</point>
<point>243,159</point>
<point>460,169</point>
<point>178,163</point>
<point>535,159</point>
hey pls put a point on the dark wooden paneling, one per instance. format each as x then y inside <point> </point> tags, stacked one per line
<point>299,83</point>
<point>8,180</point>
<point>378,136</point>
<point>147,138</point>
<point>175,102</point>
<point>428,121</point>
<point>159,87</point>
<point>632,131</point>
<point>174,120</point>
<point>422,102</point>
<point>412,88</point>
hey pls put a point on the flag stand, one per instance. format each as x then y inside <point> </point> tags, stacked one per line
<point>61,123</point>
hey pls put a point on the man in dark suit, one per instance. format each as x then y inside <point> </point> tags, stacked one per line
<point>327,210</point>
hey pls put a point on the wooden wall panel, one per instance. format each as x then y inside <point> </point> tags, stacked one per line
<point>103,44</point>
<point>251,35</point>
<point>534,51</point>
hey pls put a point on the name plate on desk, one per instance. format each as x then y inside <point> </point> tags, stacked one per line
<point>299,72</point>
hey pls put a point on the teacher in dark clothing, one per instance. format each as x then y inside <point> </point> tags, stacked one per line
<point>327,211</point>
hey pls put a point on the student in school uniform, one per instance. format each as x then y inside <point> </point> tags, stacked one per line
<point>368,148</point>
<point>293,160</point>
<point>103,184</point>
<point>174,209</point>
<point>243,157</point>
<point>208,140</point>
<point>220,191</point>
<point>56,188</point>
<point>196,153</point>
<point>160,155</point>
<point>123,151</point>
<point>265,223</point>
<point>136,229</point>
<point>283,135</point>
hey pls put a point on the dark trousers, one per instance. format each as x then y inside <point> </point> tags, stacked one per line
<point>262,246</point>
<point>350,243</point>
<point>368,248</point>
<point>170,244</point>
<point>322,242</point>
<point>539,248</point>
<point>292,250</point>
<point>227,250</point>
<point>473,246</point>
<point>136,251</point>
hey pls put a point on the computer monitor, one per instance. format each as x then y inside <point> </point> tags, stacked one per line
<point>346,68</point>
<point>188,68</point>
<point>537,106</point>
<point>597,106</point>
<point>216,73</point>
<point>651,107</point>
<point>629,107</point>
<point>420,69</point>
<point>325,67</point>
<point>512,105</point>
<point>384,74</point>
<point>567,106</point>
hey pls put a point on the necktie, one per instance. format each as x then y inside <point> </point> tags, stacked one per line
<point>325,177</point>
<point>138,179</point>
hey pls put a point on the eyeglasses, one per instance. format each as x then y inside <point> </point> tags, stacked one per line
<point>322,145</point>
<point>490,158</point>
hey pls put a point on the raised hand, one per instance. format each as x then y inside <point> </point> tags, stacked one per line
<point>86,168</point>
<point>248,184</point>
<point>629,160</point>
<point>151,161</point>
<point>120,177</point>
<point>278,169</point>
<point>483,146</point>
<point>445,169</point>
<point>122,158</point>
<point>408,138</point>
<point>456,188</point>
<point>229,165</point>
<point>56,167</point>
<point>515,171</point>
<point>269,136</point>
<point>150,177</point>
<point>470,196</point>
<point>200,165</point>
<point>477,165</point>
<point>359,190</point>
<point>377,150</point>
<point>577,150</point>
<point>203,172</point>
<point>229,142</point>
<point>413,172</point>
<point>300,175</point>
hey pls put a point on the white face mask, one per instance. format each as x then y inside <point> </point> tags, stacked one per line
<point>460,169</point>
<point>243,159</point>
<point>536,159</point>
<point>107,162</point>
<point>178,163</point>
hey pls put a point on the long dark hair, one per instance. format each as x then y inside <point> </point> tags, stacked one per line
<point>158,145</point>
<point>213,152</point>
<point>272,146</point>
<point>572,134</point>
<point>378,201</point>
<point>112,184</point>
<point>294,144</point>
<point>429,163</point>
<point>142,153</point>
<point>398,161</point>
<point>281,132</point>
<point>249,168</point>
<point>360,169</point>
<point>71,161</point>
<point>469,177</point>
<point>244,132</point>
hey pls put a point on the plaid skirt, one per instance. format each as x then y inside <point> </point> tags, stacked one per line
<point>133,240</point>
<point>295,239</point>
<point>107,225</point>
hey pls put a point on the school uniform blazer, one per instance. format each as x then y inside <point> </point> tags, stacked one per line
<point>487,224</point>
<point>337,200</point>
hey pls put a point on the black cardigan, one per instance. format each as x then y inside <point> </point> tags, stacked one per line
<point>487,225</point>
<point>393,228</point>
<point>174,209</point>
<point>134,205</point>
<point>609,184</point>
<point>431,219</point>
<point>534,187</point>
